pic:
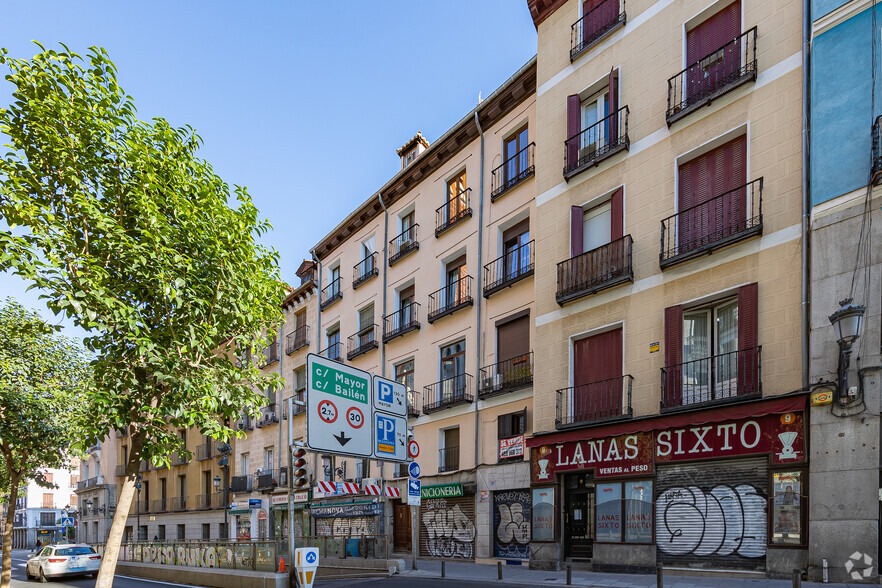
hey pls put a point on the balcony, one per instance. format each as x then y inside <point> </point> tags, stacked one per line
<point>177,504</point>
<point>509,269</point>
<point>877,152</point>
<point>704,228</point>
<point>364,270</point>
<point>453,211</point>
<point>297,339</point>
<point>401,322</point>
<point>301,396</point>
<point>602,401</point>
<point>330,294</point>
<point>120,470</point>
<point>403,244</point>
<point>512,172</point>
<point>450,298</point>
<point>506,376</point>
<point>245,423</point>
<point>448,393</point>
<point>334,352</point>
<point>141,506</point>
<point>365,340</point>
<point>203,501</point>
<point>269,414</point>
<point>413,404</point>
<point>203,451</point>
<point>595,25</point>
<point>727,377</point>
<point>179,458</point>
<point>601,268</point>
<point>89,483</point>
<point>702,82</point>
<point>448,459</point>
<point>270,354</point>
<point>159,505</point>
<point>145,466</point>
<point>269,479</point>
<point>240,484</point>
<point>598,142</point>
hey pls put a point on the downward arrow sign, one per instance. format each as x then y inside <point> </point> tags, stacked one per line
<point>342,439</point>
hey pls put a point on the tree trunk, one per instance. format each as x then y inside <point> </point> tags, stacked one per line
<point>6,573</point>
<point>118,527</point>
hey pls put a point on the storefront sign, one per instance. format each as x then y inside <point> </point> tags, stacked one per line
<point>240,511</point>
<point>623,455</point>
<point>261,515</point>
<point>346,510</point>
<point>279,499</point>
<point>512,447</point>
<point>821,398</point>
<point>254,503</point>
<point>301,496</point>
<point>441,491</point>
<point>543,514</point>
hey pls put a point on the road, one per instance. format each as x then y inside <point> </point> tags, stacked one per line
<point>399,582</point>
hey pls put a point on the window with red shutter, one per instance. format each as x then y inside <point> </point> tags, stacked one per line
<point>597,377</point>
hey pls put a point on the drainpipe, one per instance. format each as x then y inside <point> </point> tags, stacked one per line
<point>279,407</point>
<point>318,334</point>
<point>478,296</point>
<point>806,194</point>
<point>385,242</point>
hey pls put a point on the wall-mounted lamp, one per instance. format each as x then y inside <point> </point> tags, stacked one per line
<point>847,322</point>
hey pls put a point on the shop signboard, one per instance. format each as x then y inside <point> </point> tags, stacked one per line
<point>543,514</point>
<point>622,455</point>
<point>441,491</point>
<point>346,510</point>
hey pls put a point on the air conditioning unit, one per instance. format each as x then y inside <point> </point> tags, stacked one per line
<point>270,417</point>
<point>492,382</point>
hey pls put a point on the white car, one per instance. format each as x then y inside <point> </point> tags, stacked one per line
<point>54,561</point>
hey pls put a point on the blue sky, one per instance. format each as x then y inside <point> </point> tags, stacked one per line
<point>302,102</point>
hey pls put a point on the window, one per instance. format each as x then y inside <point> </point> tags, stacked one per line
<point>368,247</point>
<point>268,460</point>
<point>624,512</point>
<point>406,298</point>
<point>73,500</point>
<point>362,469</point>
<point>74,479</point>
<point>48,500</point>
<point>299,388</point>
<point>516,250</point>
<point>222,532</point>
<point>333,288</point>
<point>299,320</point>
<point>327,469</point>
<point>366,325</point>
<point>712,56</point>
<point>48,477</point>
<point>160,534</point>
<point>182,491</point>
<point>515,155</point>
<point>594,109</point>
<point>452,371</point>
<point>85,469</point>
<point>407,223</point>
<point>512,351</point>
<point>593,128</point>
<point>787,508</point>
<point>47,519</point>
<point>455,291</point>
<point>334,342</point>
<point>597,226</point>
<point>243,464</point>
<point>404,374</point>
<point>456,203</point>
<point>448,457</point>
<point>510,430</point>
<point>182,534</point>
<point>597,377</point>
<point>142,533</point>
<point>410,156</point>
<point>206,530</point>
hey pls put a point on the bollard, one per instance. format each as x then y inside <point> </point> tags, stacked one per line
<point>659,577</point>
<point>569,574</point>
<point>499,570</point>
<point>797,578</point>
<point>443,570</point>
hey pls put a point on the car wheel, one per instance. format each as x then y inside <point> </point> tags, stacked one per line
<point>28,575</point>
<point>43,576</point>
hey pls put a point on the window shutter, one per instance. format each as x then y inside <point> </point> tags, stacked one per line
<point>577,215</point>
<point>713,33</point>
<point>503,426</point>
<point>748,327</point>
<point>617,215</point>
<point>673,355</point>
<point>513,339</point>
<point>613,89</point>
<point>574,126</point>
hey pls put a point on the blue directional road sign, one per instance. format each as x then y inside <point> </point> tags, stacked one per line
<point>413,492</point>
<point>390,437</point>
<point>311,558</point>
<point>67,522</point>
<point>414,470</point>
<point>390,396</point>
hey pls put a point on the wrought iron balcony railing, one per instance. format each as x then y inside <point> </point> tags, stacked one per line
<point>203,451</point>
<point>731,217</point>
<point>240,484</point>
<point>719,378</point>
<point>245,423</point>
<point>365,340</point>
<point>203,501</point>
<point>600,141</point>
<point>403,244</point>
<point>514,266</point>
<point>331,293</point>
<point>702,82</point>
<point>89,482</point>
<point>453,211</point>
<point>594,25</point>
<point>450,298</point>
<point>506,376</point>
<point>177,503</point>
<point>334,352</point>
<point>266,481</point>
<point>512,172</point>
<point>448,459</point>
<point>403,320</point>
<point>596,270</point>
<point>159,505</point>
<point>301,396</point>
<point>120,470</point>
<point>876,176</point>
<point>364,270</point>
<point>448,393</point>
<point>413,404</point>
<point>590,403</point>
<point>270,354</point>
<point>297,339</point>
<point>179,458</point>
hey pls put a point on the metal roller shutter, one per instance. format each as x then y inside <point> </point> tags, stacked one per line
<point>713,514</point>
<point>447,527</point>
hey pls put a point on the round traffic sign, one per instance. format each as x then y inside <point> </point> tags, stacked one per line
<point>413,448</point>
<point>327,411</point>
<point>414,469</point>
<point>355,417</point>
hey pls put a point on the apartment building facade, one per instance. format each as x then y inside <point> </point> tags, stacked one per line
<point>670,423</point>
<point>96,491</point>
<point>39,510</point>
<point>440,298</point>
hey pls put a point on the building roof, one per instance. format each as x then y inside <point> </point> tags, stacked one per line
<point>418,138</point>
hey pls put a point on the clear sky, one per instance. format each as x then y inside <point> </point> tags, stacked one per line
<point>303,102</point>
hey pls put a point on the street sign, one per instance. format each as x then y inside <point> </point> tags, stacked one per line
<point>338,404</point>
<point>390,396</point>
<point>390,434</point>
<point>306,561</point>
<point>414,470</point>
<point>413,492</point>
<point>67,522</point>
<point>413,448</point>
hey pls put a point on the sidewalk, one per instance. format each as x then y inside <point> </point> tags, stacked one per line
<point>459,570</point>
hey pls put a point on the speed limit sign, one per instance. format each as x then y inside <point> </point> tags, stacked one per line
<point>355,417</point>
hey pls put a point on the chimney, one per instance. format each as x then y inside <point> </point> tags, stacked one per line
<point>411,150</point>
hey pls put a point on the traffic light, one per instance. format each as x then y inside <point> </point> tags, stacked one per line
<point>301,472</point>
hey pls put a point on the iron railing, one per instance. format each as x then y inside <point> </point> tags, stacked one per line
<point>514,266</point>
<point>142,505</point>
<point>601,140</point>
<point>270,353</point>
<point>363,341</point>
<point>177,503</point>
<point>159,505</point>
<point>450,298</point>
<point>590,272</point>
<point>120,470</point>
<point>448,459</point>
<point>269,414</point>
<point>364,270</point>
<point>598,401</point>
<point>331,293</point>
<point>403,320</point>
<point>506,376</point>
<point>876,177</point>
<point>89,482</point>
<point>594,25</point>
<point>297,339</point>
<point>203,501</point>
<point>179,458</point>
<point>265,481</point>
<point>203,451</point>
<point>705,80</point>
<point>727,376</point>
<point>448,393</point>
<point>334,352</point>
<point>245,423</point>
<point>731,217</point>
<point>145,466</point>
<point>413,404</point>
<point>512,172</point>
<point>240,484</point>
<point>453,211</point>
<point>403,244</point>
<point>299,395</point>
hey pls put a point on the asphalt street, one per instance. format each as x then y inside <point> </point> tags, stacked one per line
<point>399,582</point>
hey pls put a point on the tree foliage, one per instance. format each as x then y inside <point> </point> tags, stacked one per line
<point>129,233</point>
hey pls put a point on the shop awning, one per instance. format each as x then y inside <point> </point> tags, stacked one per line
<point>238,511</point>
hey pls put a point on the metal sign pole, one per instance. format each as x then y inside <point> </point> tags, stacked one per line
<point>292,578</point>
<point>415,537</point>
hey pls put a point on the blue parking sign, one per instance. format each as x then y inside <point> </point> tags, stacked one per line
<point>385,435</point>
<point>390,437</point>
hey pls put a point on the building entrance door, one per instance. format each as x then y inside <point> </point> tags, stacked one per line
<point>403,531</point>
<point>579,516</point>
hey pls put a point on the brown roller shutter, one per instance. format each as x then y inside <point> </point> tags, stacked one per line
<point>447,527</point>
<point>513,339</point>
<point>748,355</point>
<point>673,355</point>
<point>407,293</point>
<point>574,127</point>
<point>518,229</point>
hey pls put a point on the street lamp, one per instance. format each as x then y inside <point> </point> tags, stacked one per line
<point>847,322</point>
<point>224,464</point>
<point>138,506</point>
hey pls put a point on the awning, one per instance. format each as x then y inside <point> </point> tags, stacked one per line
<point>239,511</point>
<point>781,405</point>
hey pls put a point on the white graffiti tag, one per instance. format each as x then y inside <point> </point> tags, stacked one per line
<point>512,526</point>
<point>450,533</point>
<point>727,520</point>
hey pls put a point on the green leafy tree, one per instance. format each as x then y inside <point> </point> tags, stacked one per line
<point>42,378</point>
<point>127,232</point>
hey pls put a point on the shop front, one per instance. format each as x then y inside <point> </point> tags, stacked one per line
<point>348,520</point>
<point>721,489</point>
<point>447,521</point>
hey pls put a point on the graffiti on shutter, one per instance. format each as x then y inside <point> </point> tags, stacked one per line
<point>447,527</point>
<point>511,524</point>
<point>713,514</point>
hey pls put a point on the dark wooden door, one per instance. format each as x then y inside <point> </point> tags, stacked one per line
<point>403,536</point>
<point>579,516</point>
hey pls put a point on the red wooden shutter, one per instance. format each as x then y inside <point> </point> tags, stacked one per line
<point>748,340</point>
<point>673,355</point>
<point>613,89</point>
<point>590,24</point>
<point>713,33</point>
<point>597,375</point>
<point>576,217</point>
<point>617,215</point>
<point>574,127</point>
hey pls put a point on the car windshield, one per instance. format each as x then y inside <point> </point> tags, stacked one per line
<point>74,551</point>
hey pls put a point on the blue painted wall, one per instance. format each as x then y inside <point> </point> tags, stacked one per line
<point>823,7</point>
<point>841,119</point>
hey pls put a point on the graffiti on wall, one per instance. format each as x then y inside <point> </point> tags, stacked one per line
<point>511,522</point>
<point>726,520</point>
<point>346,526</point>
<point>197,556</point>
<point>449,532</point>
